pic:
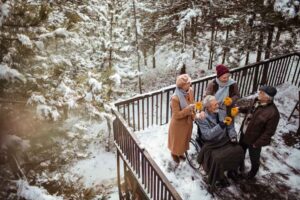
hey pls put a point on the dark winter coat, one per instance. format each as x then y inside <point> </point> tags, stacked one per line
<point>262,121</point>
<point>212,88</point>
<point>219,156</point>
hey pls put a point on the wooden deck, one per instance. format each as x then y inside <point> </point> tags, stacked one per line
<point>152,108</point>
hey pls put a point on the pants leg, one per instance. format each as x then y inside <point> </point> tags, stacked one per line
<point>254,154</point>
<point>245,147</point>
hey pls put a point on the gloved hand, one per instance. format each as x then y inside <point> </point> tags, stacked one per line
<point>227,120</point>
<point>234,111</point>
<point>198,105</point>
<point>227,101</point>
<point>233,140</point>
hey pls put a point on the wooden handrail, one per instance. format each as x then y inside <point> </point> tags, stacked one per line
<point>172,87</point>
<point>141,162</point>
<point>152,108</point>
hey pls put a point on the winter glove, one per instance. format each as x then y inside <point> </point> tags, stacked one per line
<point>198,105</point>
<point>227,101</point>
<point>227,120</point>
<point>234,111</point>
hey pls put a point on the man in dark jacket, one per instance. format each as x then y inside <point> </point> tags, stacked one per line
<point>259,126</point>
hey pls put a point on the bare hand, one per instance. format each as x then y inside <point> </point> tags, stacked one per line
<point>192,106</point>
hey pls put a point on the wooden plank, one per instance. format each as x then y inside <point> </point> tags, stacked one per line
<point>148,113</point>
<point>152,105</point>
<point>138,114</point>
<point>287,66</point>
<point>272,72</point>
<point>156,108</point>
<point>276,69</point>
<point>133,116</point>
<point>168,106</point>
<point>279,73</point>
<point>290,69</point>
<point>118,173</point>
<point>161,107</point>
<point>143,113</point>
<point>296,80</point>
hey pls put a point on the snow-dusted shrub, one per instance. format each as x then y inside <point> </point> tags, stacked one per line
<point>10,74</point>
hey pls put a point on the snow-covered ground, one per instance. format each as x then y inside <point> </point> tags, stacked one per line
<point>68,70</point>
<point>278,158</point>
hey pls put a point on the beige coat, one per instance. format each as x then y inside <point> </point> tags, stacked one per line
<point>181,125</point>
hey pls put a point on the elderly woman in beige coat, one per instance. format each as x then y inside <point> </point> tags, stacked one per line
<point>181,125</point>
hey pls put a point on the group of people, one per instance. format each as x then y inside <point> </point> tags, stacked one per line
<point>222,151</point>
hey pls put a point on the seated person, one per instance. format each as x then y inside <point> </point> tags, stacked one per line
<point>220,151</point>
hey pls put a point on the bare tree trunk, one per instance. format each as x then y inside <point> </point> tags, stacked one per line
<point>251,39</point>
<point>153,55</point>
<point>145,56</point>
<point>111,34</point>
<point>294,36</point>
<point>193,35</point>
<point>277,37</point>
<point>213,52</point>
<point>269,42</point>
<point>260,45</point>
<point>137,45</point>
<point>183,69</point>
<point>226,48</point>
<point>211,46</point>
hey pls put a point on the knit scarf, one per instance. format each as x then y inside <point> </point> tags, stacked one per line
<point>181,94</point>
<point>223,90</point>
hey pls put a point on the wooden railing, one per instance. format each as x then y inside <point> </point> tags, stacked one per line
<point>153,108</point>
<point>147,172</point>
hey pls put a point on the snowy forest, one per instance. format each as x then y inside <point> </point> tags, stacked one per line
<point>63,64</point>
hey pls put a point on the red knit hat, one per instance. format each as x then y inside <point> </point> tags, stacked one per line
<point>221,69</point>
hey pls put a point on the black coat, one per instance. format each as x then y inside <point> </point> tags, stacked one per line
<point>262,124</point>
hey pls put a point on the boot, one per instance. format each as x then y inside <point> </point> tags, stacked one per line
<point>175,158</point>
<point>223,183</point>
<point>232,174</point>
<point>250,175</point>
<point>182,157</point>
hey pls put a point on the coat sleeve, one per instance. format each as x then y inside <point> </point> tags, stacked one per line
<point>231,131</point>
<point>207,132</point>
<point>209,89</point>
<point>270,129</point>
<point>176,112</point>
<point>236,93</point>
<point>246,105</point>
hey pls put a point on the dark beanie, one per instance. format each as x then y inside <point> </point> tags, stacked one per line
<point>221,69</point>
<point>269,90</point>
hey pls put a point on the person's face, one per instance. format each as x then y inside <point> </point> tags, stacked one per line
<point>224,78</point>
<point>262,96</point>
<point>186,86</point>
<point>214,106</point>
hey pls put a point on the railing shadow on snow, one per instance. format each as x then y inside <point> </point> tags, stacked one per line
<point>153,108</point>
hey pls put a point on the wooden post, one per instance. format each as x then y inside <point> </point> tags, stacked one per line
<point>264,78</point>
<point>255,82</point>
<point>118,174</point>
